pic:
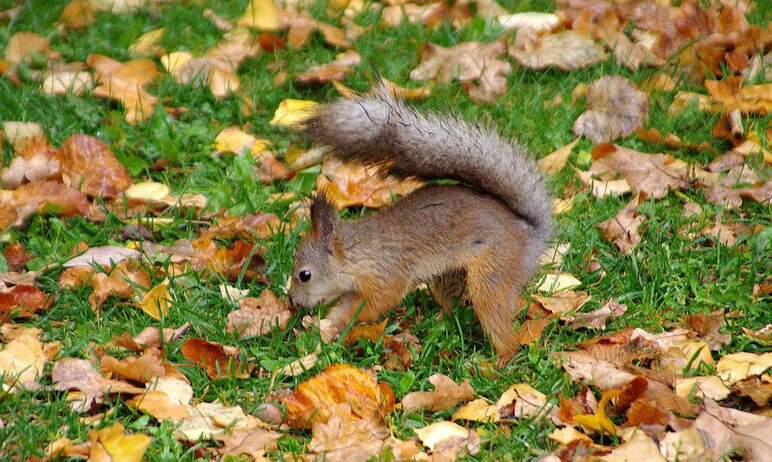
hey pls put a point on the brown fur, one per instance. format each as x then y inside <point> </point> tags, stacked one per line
<point>446,236</point>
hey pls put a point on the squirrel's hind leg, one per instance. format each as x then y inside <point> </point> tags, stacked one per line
<point>493,287</point>
<point>447,288</point>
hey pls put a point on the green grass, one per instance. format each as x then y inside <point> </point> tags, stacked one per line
<point>667,277</point>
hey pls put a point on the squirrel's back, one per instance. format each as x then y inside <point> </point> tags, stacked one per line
<point>380,130</point>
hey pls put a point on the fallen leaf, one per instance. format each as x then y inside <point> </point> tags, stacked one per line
<point>236,141</point>
<point>476,65</point>
<point>150,337</point>
<point>139,369</point>
<point>258,316</point>
<point>22,359</point>
<point>639,447</point>
<point>77,14</point>
<point>249,442</point>
<point>22,301</point>
<point>353,185</point>
<point>622,229</point>
<point>517,402</point>
<point>759,389</point>
<point>16,257</point>
<point>599,422</point>
<point>554,162</point>
<point>615,109</point>
<point>211,420</point>
<point>79,374</point>
<point>40,197</point>
<point>148,44</point>
<point>631,54</point>
<point>124,282</point>
<point>125,82</point>
<point>156,301</point>
<point>88,165</point>
<point>530,330</point>
<point>66,82</point>
<point>739,366</point>
<point>371,332</point>
<point>563,302</point>
<point>734,96</point>
<point>707,327</point>
<point>566,50</point>
<point>213,358</point>
<point>261,15</point>
<point>104,256</point>
<point>337,70</point>
<point>702,387</point>
<point>300,365</point>
<point>762,336</point>
<point>449,440</point>
<point>292,112</point>
<point>313,399</point>
<point>446,394</point>
<point>116,445</point>
<point>22,46</point>
<point>537,21</point>
<point>557,282</point>
<point>596,319</point>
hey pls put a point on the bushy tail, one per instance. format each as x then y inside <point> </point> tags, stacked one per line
<point>380,130</point>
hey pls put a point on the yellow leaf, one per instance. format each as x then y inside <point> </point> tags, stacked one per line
<point>553,163</point>
<point>175,61</point>
<point>148,44</point>
<point>235,140</point>
<point>292,112</point>
<point>147,191</point>
<point>262,15</point>
<point>738,366</point>
<point>156,301</point>
<point>118,445</point>
<point>556,282</point>
<point>599,422</point>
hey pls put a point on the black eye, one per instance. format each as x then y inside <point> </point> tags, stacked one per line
<point>304,276</point>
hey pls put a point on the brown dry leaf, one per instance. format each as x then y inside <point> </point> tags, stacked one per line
<point>22,358</point>
<point>139,369</point>
<point>353,185</point>
<point>762,336</point>
<point>300,365</point>
<point>563,302</point>
<point>148,44</point>
<point>615,109</point>
<point>476,65</point>
<point>124,282</point>
<point>707,327</point>
<point>645,412</point>
<point>337,70</point>
<point>446,394</point>
<point>702,387</point>
<point>104,256</point>
<point>565,50</point>
<point>519,401</point>
<point>371,332</point>
<point>249,442</point>
<point>313,400</point>
<point>248,227</point>
<point>45,197</point>
<point>448,440</point>
<point>35,161</point>
<point>632,55</point>
<point>113,444</point>
<point>211,420</point>
<point>218,361</point>
<point>88,165</point>
<point>19,134</point>
<point>739,366</point>
<point>64,447</point>
<point>639,447</point>
<point>23,45</point>
<point>530,330</point>
<point>622,229</point>
<point>22,301</point>
<point>301,27</point>
<point>399,351</point>
<point>77,14</point>
<point>653,174</point>
<point>161,405</point>
<point>79,374</point>
<point>554,162</point>
<point>258,316</point>
<point>156,301</point>
<point>150,337</point>
<point>734,96</point>
<point>726,233</point>
<point>125,83</point>
<point>16,257</point>
<point>759,389</point>
<point>596,319</point>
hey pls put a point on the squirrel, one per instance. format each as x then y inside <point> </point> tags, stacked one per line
<point>480,239</point>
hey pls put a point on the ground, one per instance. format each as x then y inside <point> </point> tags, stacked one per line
<point>665,279</point>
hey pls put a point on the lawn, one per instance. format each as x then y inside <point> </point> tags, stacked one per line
<point>669,275</point>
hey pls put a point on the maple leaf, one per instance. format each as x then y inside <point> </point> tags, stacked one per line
<point>125,82</point>
<point>88,165</point>
<point>313,400</point>
<point>258,316</point>
<point>446,394</point>
<point>566,50</point>
<point>615,109</point>
<point>622,229</point>
<point>477,65</point>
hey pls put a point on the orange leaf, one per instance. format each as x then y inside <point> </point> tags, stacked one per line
<point>213,358</point>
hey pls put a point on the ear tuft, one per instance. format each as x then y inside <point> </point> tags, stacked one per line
<point>324,216</point>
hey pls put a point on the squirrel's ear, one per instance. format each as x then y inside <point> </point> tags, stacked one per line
<point>324,217</point>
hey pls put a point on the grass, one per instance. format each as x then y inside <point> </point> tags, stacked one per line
<point>667,277</point>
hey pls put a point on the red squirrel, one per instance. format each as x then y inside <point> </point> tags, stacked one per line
<point>481,239</point>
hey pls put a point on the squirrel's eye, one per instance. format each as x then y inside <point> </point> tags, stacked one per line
<point>304,276</point>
